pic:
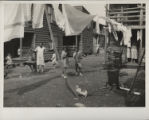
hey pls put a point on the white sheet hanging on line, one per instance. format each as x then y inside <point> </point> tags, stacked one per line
<point>128,52</point>
<point>27,11</point>
<point>60,20</point>
<point>38,13</point>
<point>97,28</point>
<point>75,20</point>
<point>13,21</point>
<point>138,35</point>
<point>127,37</point>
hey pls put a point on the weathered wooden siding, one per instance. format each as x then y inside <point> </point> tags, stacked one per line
<point>87,41</point>
<point>58,36</point>
<point>43,36</point>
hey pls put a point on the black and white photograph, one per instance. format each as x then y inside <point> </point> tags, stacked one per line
<point>74,55</point>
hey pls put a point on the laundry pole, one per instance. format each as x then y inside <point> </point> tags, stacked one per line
<point>106,33</point>
<point>141,30</point>
<point>76,42</point>
<point>21,47</point>
<point>51,33</point>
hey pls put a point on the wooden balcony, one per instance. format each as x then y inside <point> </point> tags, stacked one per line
<point>129,16</point>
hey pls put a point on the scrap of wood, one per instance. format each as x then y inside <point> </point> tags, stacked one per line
<point>127,89</point>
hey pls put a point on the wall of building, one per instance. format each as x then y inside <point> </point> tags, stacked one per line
<point>87,41</point>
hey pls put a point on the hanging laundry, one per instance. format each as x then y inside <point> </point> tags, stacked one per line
<point>115,35</point>
<point>27,11</point>
<point>13,21</point>
<point>127,37</point>
<point>134,52</point>
<point>128,52</point>
<point>37,17</point>
<point>60,20</point>
<point>109,28</point>
<point>100,19</point>
<point>121,27</point>
<point>138,35</point>
<point>97,28</point>
<point>75,20</point>
<point>15,16</point>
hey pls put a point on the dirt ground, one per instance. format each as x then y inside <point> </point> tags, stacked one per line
<point>24,88</point>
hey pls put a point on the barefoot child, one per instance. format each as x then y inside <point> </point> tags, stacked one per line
<point>77,58</point>
<point>40,57</point>
<point>54,59</point>
<point>64,62</point>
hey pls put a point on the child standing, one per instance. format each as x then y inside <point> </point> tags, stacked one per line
<point>64,62</point>
<point>78,66</point>
<point>134,53</point>
<point>54,59</point>
<point>40,57</point>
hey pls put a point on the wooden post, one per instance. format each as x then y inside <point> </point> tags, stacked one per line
<point>141,30</point>
<point>21,47</point>
<point>121,18</point>
<point>76,42</point>
<point>34,40</point>
<point>106,40</point>
<point>51,33</point>
<point>106,33</point>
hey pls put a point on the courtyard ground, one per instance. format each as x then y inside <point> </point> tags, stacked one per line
<point>23,88</point>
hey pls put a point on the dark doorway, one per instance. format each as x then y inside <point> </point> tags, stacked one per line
<point>27,43</point>
<point>134,37</point>
<point>11,47</point>
<point>143,39</point>
<point>71,43</point>
<point>69,40</point>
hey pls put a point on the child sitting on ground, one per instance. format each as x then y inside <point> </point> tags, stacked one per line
<point>8,60</point>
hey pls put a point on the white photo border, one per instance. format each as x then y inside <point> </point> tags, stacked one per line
<point>48,113</point>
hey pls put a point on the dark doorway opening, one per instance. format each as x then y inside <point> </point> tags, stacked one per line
<point>134,37</point>
<point>27,43</point>
<point>11,47</point>
<point>71,43</point>
<point>143,39</point>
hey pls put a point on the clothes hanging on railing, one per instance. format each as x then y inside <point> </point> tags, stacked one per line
<point>127,37</point>
<point>138,35</point>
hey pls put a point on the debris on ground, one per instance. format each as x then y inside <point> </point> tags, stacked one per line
<point>80,91</point>
<point>79,105</point>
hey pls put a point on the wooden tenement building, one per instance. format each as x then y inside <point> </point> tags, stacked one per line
<point>132,16</point>
<point>33,37</point>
